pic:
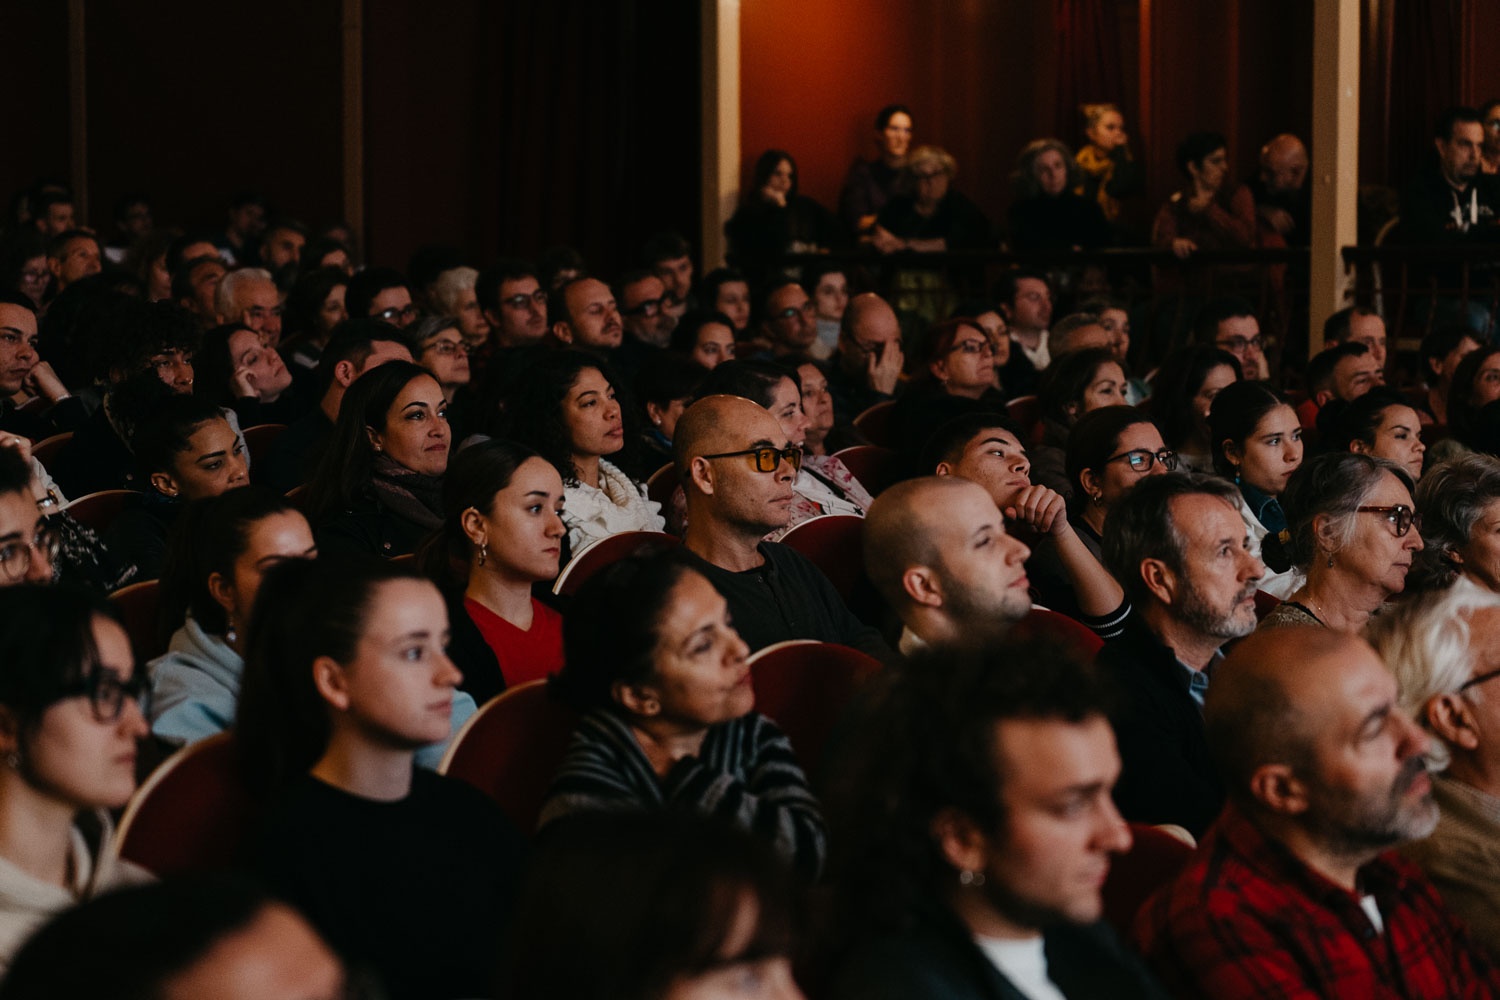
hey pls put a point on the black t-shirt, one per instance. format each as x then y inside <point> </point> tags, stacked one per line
<point>418,891</point>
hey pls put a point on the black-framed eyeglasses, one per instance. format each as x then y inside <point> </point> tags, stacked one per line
<point>406,312</point>
<point>1142,459</point>
<point>650,307</point>
<point>790,311</point>
<point>1476,681</point>
<point>448,348</point>
<point>107,692</point>
<point>973,347</point>
<point>16,555</point>
<point>1234,344</point>
<point>1402,517</point>
<point>768,459</point>
<point>522,300</point>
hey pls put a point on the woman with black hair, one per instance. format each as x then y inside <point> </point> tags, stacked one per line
<point>221,548</point>
<point>706,338</point>
<point>1181,397</point>
<point>233,368</point>
<point>1380,423</point>
<point>1073,385</point>
<point>314,307</point>
<point>566,409</point>
<point>502,533</point>
<point>665,385</point>
<point>1110,450</point>
<point>69,697</point>
<point>378,488</point>
<point>653,906</point>
<point>405,872</point>
<point>662,677</point>
<point>773,219</point>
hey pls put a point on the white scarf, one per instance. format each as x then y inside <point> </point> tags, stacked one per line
<point>616,505</point>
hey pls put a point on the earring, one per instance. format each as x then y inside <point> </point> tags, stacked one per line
<point>1236,475</point>
<point>13,759</point>
<point>971,879</point>
<point>484,552</point>
<point>656,421</point>
<point>229,631</point>
<point>1330,560</point>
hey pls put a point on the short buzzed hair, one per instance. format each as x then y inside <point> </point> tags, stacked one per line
<point>895,537</point>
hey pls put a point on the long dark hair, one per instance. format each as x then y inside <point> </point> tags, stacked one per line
<point>213,367</point>
<point>1461,407</point>
<point>343,473</point>
<point>306,609</point>
<point>209,536</point>
<point>1067,379</point>
<point>47,633</point>
<point>765,166</point>
<point>1237,410</point>
<point>533,414</point>
<point>1093,441</point>
<point>1181,377</point>
<point>474,476</point>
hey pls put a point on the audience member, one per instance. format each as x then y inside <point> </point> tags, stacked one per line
<point>1460,504</point>
<point>249,296</point>
<point>453,296</point>
<point>664,388</point>
<point>828,284</point>
<point>1048,213</point>
<point>1442,350</point>
<point>280,248</point>
<point>345,679</point>
<point>1476,384</point>
<point>670,257</point>
<point>932,216</point>
<point>584,315</point>
<point>1074,385</point>
<point>737,466</point>
<point>1026,300</point>
<point>1229,324</point>
<point>1177,544</point>
<point>68,696</point>
<point>787,317</point>
<point>355,347</point>
<point>53,213</point>
<point>773,219</point>
<point>1342,372</point>
<point>71,257</point>
<point>726,290</point>
<point>661,678</point>
<point>1184,392</point>
<point>647,905</point>
<point>195,287</point>
<point>1451,200</point>
<point>1489,152</point>
<point>513,303</point>
<point>1110,173</point>
<point>957,377</point>
<point>1359,324</point>
<point>503,530</point>
<point>221,549</point>
<point>817,411</point>
<point>1110,450</point>
<point>1353,531</point>
<point>381,293</point>
<point>1283,198</point>
<point>566,409</point>
<point>939,554</point>
<point>1257,443</point>
<point>871,183</point>
<point>1441,647</point>
<point>29,541</point>
<point>247,220</point>
<point>978,830</point>
<point>23,372</point>
<point>314,309</point>
<point>1209,213</point>
<point>437,344</point>
<point>647,324</point>
<point>233,368</point>
<point>191,936</point>
<point>1382,424</point>
<point>378,487</point>
<point>706,338</point>
<point>866,367</point>
<point>1294,891</point>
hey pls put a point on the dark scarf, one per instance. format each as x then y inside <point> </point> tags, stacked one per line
<point>408,494</point>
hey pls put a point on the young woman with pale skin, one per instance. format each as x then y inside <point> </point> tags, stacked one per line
<point>1111,451</point>
<point>707,338</point>
<point>726,291</point>
<point>1383,425</point>
<point>70,720</point>
<point>1257,440</point>
<point>1075,384</point>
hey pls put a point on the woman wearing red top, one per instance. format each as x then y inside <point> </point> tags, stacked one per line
<point>502,532</point>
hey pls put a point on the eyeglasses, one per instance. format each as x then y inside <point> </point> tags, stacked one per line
<point>1401,516</point>
<point>106,692</point>
<point>650,307</point>
<point>1142,459</point>
<point>768,459</point>
<point>1493,125</point>
<point>520,301</point>
<point>406,312</point>
<point>16,556</point>
<point>973,347</point>
<point>1235,344</point>
<point>790,311</point>
<point>448,348</point>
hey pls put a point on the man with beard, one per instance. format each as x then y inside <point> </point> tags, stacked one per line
<point>938,552</point>
<point>1296,891</point>
<point>1177,544</point>
<point>584,315</point>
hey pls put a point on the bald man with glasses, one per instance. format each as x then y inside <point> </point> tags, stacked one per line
<point>737,468</point>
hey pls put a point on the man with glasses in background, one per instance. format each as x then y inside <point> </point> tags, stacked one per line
<point>381,293</point>
<point>1178,546</point>
<point>737,468</point>
<point>1229,324</point>
<point>514,302</point>
<point>648,326</point>
<point>790,318</point>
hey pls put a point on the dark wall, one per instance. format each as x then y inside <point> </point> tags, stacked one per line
<point>34,75</point>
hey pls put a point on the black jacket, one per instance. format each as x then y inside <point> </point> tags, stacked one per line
<point>1166,775</point>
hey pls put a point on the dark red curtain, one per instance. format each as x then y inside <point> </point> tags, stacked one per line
<point>1426,52</point>
<point>1090,66</point>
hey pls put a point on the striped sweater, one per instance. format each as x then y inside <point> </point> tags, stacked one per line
<point>745,773</point>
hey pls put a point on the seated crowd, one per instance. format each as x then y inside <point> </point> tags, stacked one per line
<point>1115,670</point>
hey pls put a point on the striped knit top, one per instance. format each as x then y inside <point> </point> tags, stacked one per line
<point>745,773</point>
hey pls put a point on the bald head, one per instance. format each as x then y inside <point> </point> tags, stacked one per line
<point>1283,164</point>
<point>1271,695</point>
<point>716,424</point>
<point>903,529</point>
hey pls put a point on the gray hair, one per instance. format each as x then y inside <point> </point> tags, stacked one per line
<point>229,288</point>
<point>1024,175</point>
<point>1332,486</point>
<point>1425,643</point>
<point>1452,496</point>
<point>1063,329</point>
<point>1141,527</point>
<point>425,329</point>
<point>449,284</point>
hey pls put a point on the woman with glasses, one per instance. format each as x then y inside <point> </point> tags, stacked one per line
<point>774,219</point>
<point>669,721</point>
<point>566,410</point>
<point>407,874</point>
<point>1257,443</point>
<point>1460,504</point>
<point>68,694</point>
<point>378,488</point>
<point>1073,385</point>
<point>1353,530</point>
<point>437,344</point>
<point>958,376</point>
<point>221,549</point>
<point>830,488</point>
<point>1110,450</point>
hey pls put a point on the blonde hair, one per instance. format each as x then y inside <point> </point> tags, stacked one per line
<point>931,154</point>
<point>1091,113</point>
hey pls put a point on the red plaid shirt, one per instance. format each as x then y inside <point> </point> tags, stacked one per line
<point>1247,919</point>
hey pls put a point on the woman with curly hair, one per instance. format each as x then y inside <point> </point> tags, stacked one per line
<point>1048,213</point>
<point>567,411</point>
